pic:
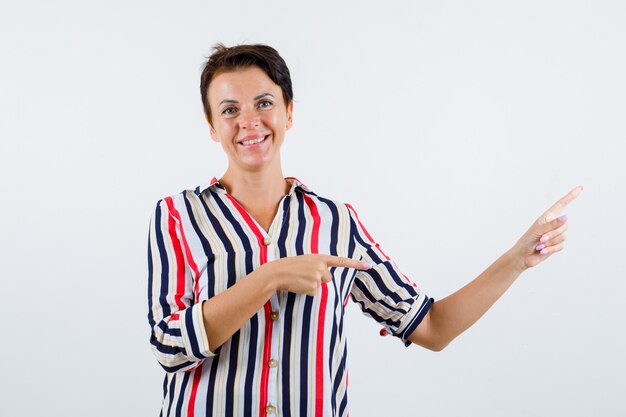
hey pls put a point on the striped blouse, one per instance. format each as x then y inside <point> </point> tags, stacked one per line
<point>290,358</point>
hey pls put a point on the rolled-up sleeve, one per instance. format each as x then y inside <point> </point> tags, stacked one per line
<point>178,336</point>
<point>383,292</point>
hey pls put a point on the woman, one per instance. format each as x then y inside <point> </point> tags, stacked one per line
<point>249,275</point>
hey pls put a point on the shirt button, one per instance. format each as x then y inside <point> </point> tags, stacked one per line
<point>267,241</point>
<point>272,363</point>
<point>270,409</point>
<point>274,315</point>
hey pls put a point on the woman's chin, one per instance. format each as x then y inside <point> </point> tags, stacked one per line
<point>256,161</point>
<point>255,164</point>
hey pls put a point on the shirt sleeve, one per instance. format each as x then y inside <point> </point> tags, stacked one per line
<point>383,292</point>
<point>178,336</point>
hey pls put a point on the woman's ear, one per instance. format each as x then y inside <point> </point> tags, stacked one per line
<point>290,115</point>
<point>211,130</point>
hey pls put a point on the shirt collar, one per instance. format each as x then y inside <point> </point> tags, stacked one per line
<point>215,184</point>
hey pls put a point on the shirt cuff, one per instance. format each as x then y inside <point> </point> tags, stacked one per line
<point>413,318</point>
<point>194,333</point>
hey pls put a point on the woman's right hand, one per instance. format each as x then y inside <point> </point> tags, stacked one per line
<point>304,274</point>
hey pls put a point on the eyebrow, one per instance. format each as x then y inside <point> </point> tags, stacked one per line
<point>256,98</point>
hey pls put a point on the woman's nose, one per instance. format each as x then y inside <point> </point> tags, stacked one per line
<point>249,119</point>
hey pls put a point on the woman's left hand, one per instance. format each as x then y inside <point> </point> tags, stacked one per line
<point>546,236</point>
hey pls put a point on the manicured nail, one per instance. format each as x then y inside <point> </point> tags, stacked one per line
<point>366,265</point>
<point>544,238</point>
<point>563,218</point>
<point>541,246</point>
<point>544,251</point>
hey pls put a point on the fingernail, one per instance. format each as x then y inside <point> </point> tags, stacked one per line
<point>544,251</point>
<point>539,247</point>
<point>563,218</point>
<point>366,265</point>
<point>544,239</point>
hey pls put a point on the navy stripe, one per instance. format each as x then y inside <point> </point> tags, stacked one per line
<point>165,265</point>
<point>287,315</point>
<point>232,368</point>
<point>195,348</point>
<point>181,397</point>
<point>172,391</point>
<point>282,236</point>
<point>344,399</point>
<point>166,349</point>
<point>301,225</point>
<point>210,394</point>
<point>252,358</point>
<point>304,352</point>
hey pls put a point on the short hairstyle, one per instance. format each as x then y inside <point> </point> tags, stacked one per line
<point>224,59</point>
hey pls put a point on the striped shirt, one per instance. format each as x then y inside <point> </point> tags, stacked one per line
<point>289,359</point>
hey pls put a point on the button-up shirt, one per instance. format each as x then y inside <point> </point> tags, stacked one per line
<point>289,359</point>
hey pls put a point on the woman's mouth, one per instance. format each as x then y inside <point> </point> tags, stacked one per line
<point>253,140</point>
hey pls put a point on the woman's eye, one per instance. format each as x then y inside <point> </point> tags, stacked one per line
<point>265,104</point>
<point>229,111</point>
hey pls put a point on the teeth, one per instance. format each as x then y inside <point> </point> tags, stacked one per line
<point>253,141</point>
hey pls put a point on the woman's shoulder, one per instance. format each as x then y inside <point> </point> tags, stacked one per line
<point>182,198</point>
<point>333,203</point>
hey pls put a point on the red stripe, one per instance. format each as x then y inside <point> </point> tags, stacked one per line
<point>192,263</point>
<point>345,302</point>
<point>319,359</point>
<point>319,351</point>
<point>267,345</point>
<point>178,254</point>
<point>267,351</point>
<point>316,223</point>
<point>194,391</point>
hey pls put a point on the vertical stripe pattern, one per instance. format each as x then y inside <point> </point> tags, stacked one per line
<point>289,359</point>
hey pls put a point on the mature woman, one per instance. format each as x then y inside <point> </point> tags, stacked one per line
<point>249,275</point>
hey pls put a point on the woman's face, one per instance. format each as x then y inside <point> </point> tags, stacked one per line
<point>250,117</point>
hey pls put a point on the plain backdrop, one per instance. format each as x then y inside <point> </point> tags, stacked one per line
<point>450,126</point>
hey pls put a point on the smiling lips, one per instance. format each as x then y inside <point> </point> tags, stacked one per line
<point>252,140</point>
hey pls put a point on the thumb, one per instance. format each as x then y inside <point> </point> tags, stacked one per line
<point>327,276</point>
<point>551,225</point>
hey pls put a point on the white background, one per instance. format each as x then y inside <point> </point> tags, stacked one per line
<point>449,125</point>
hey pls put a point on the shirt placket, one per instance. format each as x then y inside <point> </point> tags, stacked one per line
<point>271,409</point>
<point>274,361</point>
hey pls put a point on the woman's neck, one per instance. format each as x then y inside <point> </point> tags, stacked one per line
<point>256,189</point>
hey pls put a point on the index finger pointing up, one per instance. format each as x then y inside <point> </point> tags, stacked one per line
<point>564,201</point>
<point>342,262</point>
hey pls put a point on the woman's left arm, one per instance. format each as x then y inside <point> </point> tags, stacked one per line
<point>451,316</point>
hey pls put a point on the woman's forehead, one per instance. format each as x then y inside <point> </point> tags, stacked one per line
<point>242,84</point>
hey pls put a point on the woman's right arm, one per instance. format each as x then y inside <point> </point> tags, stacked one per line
<point>227,312</point>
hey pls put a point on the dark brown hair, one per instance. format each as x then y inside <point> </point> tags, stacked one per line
<point>224,59</point>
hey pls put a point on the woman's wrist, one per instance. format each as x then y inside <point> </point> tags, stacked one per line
<point>518,261</point>
<point>268,276</point>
